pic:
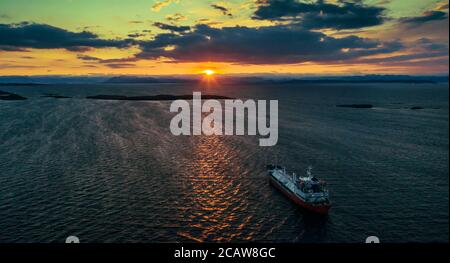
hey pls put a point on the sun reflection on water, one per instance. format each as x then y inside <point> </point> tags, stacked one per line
<point>216,194</point>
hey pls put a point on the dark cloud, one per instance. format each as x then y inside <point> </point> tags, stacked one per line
<point>111,63</point>
<point>222,9</point>
<point>30,35</point>
<point>431,45</point>
<point>136,35</point>
<point>120,65</point>
<point>176,17</point>
<point>319,15</point>
<point>117,63</point>
<point>87,58</point>
<point>173,28</point>
<point>89,66</point>
<point>264,45</point>
<point>402,58</point>
<point>426,17</point>
<point>423,49</point>
<point>207,21</point>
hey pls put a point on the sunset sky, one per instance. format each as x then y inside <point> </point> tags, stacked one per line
<point>178,37</point>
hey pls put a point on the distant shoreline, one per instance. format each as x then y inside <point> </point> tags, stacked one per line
<point>162,97</point>
<point>221,79</point>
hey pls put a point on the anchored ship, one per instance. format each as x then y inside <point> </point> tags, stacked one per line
<point>306,191</point>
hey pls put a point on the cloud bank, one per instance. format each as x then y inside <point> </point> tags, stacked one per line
<point>320,15</point>
<point>40,36</point>
<point>264,45</point>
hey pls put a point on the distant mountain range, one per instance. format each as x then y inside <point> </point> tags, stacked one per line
<point>52,79</point>
<point>133,79</point>
<point>224,79</point>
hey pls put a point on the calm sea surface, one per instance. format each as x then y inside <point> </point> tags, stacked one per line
<point>111,171</point>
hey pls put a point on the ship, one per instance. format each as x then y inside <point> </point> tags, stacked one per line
<point>307,191</point>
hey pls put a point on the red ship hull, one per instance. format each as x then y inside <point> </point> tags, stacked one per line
<point>319,209</point>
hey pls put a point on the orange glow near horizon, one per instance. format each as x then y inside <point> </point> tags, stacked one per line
<point>63,62</point>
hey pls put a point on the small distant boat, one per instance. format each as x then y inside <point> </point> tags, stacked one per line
<point>306,191</point>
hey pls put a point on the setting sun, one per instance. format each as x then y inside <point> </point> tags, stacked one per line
<point>209,72</point>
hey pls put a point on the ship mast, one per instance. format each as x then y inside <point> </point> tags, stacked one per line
<point>308,171</point>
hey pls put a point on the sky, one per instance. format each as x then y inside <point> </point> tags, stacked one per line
<point>183,37</point>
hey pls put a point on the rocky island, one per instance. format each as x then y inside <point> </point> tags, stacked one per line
<point>10,96</point>
<point>55,96</point>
